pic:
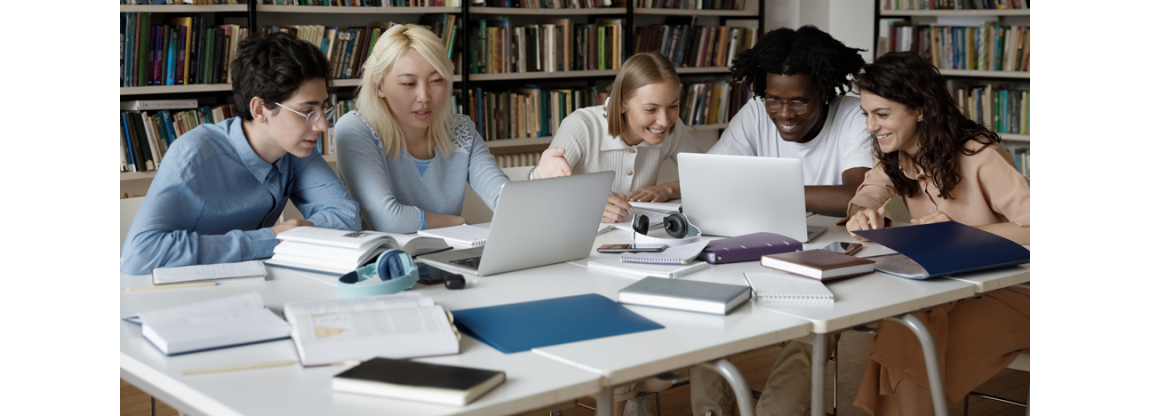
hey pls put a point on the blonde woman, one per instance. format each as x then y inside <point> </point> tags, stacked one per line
<point>405,158</point>
<point>633,133</point>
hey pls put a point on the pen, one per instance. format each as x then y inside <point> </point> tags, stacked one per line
<point>337,363</point>
<point>265,364</point>
<point>175,286</point>
<point>884,204</point>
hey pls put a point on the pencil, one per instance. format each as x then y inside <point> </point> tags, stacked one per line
<point>175,286</point>
<point>265,364</point>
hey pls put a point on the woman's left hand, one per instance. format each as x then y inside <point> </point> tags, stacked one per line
<point>657,193</point>
<point>931,218</point>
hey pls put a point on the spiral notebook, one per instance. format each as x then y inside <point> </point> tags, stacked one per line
<point>784,289</point>
<point>461,235</point>
<point>614,264</point>
<point>675,255</point>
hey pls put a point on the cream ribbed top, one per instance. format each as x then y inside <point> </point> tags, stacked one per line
<point>589,149</point>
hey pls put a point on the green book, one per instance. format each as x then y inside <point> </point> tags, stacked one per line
<point>209,53</point>
<point>602,35</point>
<point>145,50</point>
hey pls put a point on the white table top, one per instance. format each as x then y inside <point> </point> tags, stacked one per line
<point>532,382</point>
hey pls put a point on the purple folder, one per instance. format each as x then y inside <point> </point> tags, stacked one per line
<point>750,247</point>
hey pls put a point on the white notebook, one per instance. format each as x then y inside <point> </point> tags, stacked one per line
<point>463,235</point>
<point>614,264</point>
<point>781,288</point>
<point>246,271</point>
<point>673,255</point>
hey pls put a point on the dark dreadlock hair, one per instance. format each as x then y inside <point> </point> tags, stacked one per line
<point>808,51</point>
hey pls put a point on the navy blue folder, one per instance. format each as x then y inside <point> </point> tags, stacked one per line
<point>522,326</point>
<point>946,248</point>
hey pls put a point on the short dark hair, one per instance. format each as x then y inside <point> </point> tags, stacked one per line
<point>273,67</point>
<point>807,51</point>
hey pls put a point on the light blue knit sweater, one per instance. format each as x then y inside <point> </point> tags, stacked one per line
<point>393,196</point>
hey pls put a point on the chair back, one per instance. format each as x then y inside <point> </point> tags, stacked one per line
<point>128,208</point>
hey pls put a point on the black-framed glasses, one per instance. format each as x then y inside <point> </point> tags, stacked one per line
<point>313,117</point>
<point>774,106</point>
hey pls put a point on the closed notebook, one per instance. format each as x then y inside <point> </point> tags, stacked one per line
<point>246,271</point>
<point>788,289</point>
<point>677,255</point>
<point>750,247</point>
<point>463,235</point>
<point>819,264</point>
<point>687,295</point>
<point>614,264</point>
<point>413,380</point>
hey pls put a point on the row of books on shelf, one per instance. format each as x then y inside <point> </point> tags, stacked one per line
<point>146,135</point>
<point>696,46</point>
<point>548,4</point>
<point>518,160</point>
<point>955,4</point>
<point>1021,153</point>
<point>364,3</point>
<point>711,102</point>
<point>986,47</point>
<point>526,112</point>
<point>179,2</point>
<point>181,51</point>
<point>552,45</point>
<point>692,4</point>
<point>999,108</point>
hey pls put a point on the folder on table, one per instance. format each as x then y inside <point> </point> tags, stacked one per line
<point>522,326</point>
<point>945,248</point>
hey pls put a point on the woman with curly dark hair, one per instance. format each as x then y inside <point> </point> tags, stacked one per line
<point>948,168</point>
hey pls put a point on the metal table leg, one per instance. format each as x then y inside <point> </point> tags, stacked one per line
<point>604,407</point>
<point>818,375</point>
<point>933,371</point>
<point>735,379</point>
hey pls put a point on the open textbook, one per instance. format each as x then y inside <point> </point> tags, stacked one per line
<point>338,252</point>
<point>402,325</point>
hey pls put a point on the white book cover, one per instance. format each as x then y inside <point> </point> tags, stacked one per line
<point>246,271</point>
<point>229,321</point>
<point>782,288</point>
<point>464,235</point>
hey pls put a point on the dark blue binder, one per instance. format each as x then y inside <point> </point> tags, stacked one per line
<point>947,248</point>
<point>522,326</point>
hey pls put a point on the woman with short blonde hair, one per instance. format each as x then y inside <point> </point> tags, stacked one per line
<point>633,133</point>
<point>404,156</point>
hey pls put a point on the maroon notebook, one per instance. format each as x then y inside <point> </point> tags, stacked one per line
<point>749,247</point>
<point>819,264</point>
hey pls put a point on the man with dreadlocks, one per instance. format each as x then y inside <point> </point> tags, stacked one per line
<point>798,110</point>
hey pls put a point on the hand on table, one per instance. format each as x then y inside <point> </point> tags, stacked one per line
<point>867,219</point>
<point>617,208</point>
<point>289,224</point>
<point>552,164</point>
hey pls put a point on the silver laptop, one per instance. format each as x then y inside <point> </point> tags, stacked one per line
<point>735,195</point>
<point>537,223</point>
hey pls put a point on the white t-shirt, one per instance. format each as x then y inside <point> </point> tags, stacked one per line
<point>842,144</point>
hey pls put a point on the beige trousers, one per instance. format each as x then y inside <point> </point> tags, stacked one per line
<point>787,392</point>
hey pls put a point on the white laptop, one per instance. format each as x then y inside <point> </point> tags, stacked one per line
<point>536,223</point>
<point>736,195</point>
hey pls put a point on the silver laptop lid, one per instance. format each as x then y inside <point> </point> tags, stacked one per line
<point>545,221</point>
<point>735,195</point>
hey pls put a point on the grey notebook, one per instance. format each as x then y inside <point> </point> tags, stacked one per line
<point>687,295</point>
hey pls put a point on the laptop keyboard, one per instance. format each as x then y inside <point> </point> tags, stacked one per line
<point>470,262</point>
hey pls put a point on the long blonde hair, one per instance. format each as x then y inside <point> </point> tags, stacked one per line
<point>639,70</point>
<point>393,43</point>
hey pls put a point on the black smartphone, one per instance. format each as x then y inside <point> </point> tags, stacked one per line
<point>844,247</point>
<point>629,248</point>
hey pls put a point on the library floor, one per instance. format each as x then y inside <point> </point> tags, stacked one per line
<point>854,348</point>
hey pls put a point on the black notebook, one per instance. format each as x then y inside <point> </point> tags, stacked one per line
<point>413,380</point>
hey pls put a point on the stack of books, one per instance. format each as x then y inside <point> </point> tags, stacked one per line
<point>954,4</point>
<point>181,51</point>
<point>551,46</point>
<point>527,112</point>
<point>696,46</point>
<point>986,47</point>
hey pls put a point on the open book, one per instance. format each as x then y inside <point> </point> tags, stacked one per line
<point>402,325</point>
<point>217,323</point>
<point>339,252</point>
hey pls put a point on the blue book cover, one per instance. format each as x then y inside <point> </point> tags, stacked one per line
<point>522,326</point>
<point>947,248</point>
<point>170,72</point>
<point>128,140</point>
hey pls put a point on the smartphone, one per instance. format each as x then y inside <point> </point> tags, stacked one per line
<point>844,247</point>
<point>629,248</point>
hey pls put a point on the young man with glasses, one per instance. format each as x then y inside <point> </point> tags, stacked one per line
<point>221,189</point>
<point>796,111</point>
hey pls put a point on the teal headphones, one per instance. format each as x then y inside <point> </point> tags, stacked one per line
<point>396,270</point>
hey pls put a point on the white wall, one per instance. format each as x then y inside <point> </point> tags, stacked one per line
<point>849,21</point>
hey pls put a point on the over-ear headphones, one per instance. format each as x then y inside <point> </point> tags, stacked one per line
<point>676,225</point>
<point>396,271</point>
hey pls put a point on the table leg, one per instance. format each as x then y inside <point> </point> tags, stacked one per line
<point>819,375</point>
<point>933,371</point>
<point>605,405</point>
<point>737,382</point>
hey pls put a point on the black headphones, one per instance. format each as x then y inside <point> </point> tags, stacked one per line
<point>675,224</point>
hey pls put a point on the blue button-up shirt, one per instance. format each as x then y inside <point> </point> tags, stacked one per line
<point>213,199</point>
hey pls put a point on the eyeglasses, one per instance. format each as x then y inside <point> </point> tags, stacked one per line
<point>774,106</point>
<point>313,117</point>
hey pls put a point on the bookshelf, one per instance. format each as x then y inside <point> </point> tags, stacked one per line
<point>267,8</point>
<point>956,78</point>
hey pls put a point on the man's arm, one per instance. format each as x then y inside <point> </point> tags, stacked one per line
<point>322,199</point>
<point>832,200</point>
